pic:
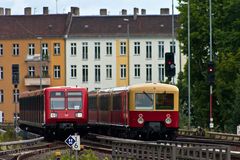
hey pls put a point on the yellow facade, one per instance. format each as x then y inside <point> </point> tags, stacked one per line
<point>122,60</point>
<point>7,59</point>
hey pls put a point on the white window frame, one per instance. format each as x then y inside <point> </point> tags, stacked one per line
<point>108,48</point>
<point>136,48</point>
<point>148,72</point>
<point>85,73</point>
<point>1,96</point>
<point>97,51</point>
<point>123,71</point>
<point>109,71</point>
<point>1,72</point>
<point>57,71</point>
<point>73,49</point>
<point>161,49</point>
<point>84,50</point>
<point>97,73</point>
<point>137,70</point>
<point>31,71</point>
<point>73,71</point>
<point>123,48</point>
<point>31,49</point>
<point>148,50</point>
<point>15,49</point>
<point>1,49</point>
<point>56,49</point>
<point>161,73</point>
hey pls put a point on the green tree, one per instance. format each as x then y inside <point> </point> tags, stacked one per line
<point>226,42</point>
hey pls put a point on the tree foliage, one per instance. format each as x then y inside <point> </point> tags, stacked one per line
<point>226,43</point>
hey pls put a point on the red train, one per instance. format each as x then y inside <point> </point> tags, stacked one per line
<point>145,111</point>
<point>52,110</point>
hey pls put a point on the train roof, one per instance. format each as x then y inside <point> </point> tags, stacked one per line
<point>41,91</point>
<point>159,86</point>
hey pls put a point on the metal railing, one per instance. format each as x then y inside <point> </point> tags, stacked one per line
<point>168,150</point>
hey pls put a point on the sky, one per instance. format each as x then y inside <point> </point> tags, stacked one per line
<point>88,7</point>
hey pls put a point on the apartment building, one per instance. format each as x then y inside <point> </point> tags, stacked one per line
<point>108,51</point>
<point>23,39</point>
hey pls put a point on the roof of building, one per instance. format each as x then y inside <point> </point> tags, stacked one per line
<point>142,25</point>
<point>30,26</point>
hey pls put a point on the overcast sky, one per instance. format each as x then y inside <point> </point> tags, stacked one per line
<point>87,7</point>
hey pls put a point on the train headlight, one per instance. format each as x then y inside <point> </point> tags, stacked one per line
<point>140,119</point>
<point>78,115</point>
<point>168,120</point>
<point>53,115</point>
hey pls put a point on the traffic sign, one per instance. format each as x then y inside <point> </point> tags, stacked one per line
<point>73,141</point>
<point>70,141</point>
<point>76,145</point>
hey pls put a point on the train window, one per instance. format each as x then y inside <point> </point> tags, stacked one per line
<point>92,103</point>
<point>144,100</point>
<point>57,94</point>
<point>117,102</point>
<point>104,102</point>
<point>164,101</point>
<point>57,103</point>
<point>74,100</point>
<point>75,103</point>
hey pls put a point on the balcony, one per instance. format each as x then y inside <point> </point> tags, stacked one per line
<point>35,81</point>
<point>36,58</point>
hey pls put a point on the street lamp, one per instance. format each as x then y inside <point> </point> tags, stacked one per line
<point>189,58</point>
<point>40,38</point>
<point>128,48</point>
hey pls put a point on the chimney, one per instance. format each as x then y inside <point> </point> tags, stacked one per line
<point>75,11</point>
<point>27,11</point>
<point>103,12</point>
<point>135,13</point>
<point>164,11</point>
<point>1,11</point>
<point>143,11</point>
<point>45,10</point>
<point>124,12</point>
<point>7,11</point>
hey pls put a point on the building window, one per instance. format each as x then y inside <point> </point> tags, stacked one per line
<point>97,73</point>
<point>1,49</point>
<point>31,49</point>
<point>172,47</point>
<point>15,73</point>
<point>1,72</point>
<point>73,49</point>
<point>161,72</point>
<point>56,49</point>
<point>161,49</point>
<point>148,73</point>
<point>148,50</point>
<point>97,50</point>
<point>137,48</point>
<point>15,49</point>
<point>15,95</point>
<point>109,71</point>
<point>1,96</point>
<point>123,71</point>
<point>31,71</point>
<point>137,70</point>
<point>56,71</point>
<point>44,51</point>
<point>85,73</point>
<point>122,48</point>
<point>73,71</point>
<point>84,50</point>
<point>45,71</point>
<point>109,48</point>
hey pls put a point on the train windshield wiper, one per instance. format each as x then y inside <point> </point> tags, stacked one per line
<point>150,98</point>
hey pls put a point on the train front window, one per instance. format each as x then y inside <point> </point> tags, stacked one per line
<point>75,100</point>
<point>57,100</point>
<point>164,101</point>
<point>57,103</point>
<point>144,101</point>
